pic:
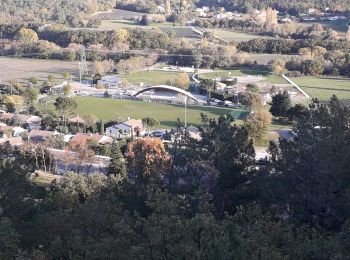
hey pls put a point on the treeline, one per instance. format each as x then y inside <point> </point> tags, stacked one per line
<point>328,54</point>
<point>61,11</point>
<point>287,46</point>
<point>291,7</point>
<point>135,38</point>
<point>198,199</point>
<point>232,24</point>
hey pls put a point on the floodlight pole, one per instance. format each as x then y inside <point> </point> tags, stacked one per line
<point>185,112</point>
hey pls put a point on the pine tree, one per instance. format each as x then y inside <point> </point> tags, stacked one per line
<point>102,127</point>
<point>280,104</point>
<point>117,165</point>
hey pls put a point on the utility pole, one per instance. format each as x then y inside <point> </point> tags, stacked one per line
<point>83,64</point>
<point>185,112</point>
<point>80,72</point>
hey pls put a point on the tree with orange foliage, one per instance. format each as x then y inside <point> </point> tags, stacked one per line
<point>82,154</point>
<point>147,156</point>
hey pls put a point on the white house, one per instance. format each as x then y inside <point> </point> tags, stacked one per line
<point>131,127</point>
<point>11,131</point>
<point>202,12</point>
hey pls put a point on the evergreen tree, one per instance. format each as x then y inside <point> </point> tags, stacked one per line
<point>102,127</point>
<point>280,105</point>
<point>311,174</point>
<point>117,165</point>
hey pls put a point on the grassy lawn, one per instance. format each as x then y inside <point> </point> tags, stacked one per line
<point>324,88</point>
<point>264,58</point>
<point>279,125</point>
<point>152,77</point>
<point>44,179</point>
<point>268,137</point>
<point>180,31</point>
<point>111,109</point>
<point>113,24</point>
<point>269,77</point>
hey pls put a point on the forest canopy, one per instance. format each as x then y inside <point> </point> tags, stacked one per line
<point>58,10</point>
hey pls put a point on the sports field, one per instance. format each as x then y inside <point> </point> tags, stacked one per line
<point>324,88</point>
<point>111,109</point>
<point>153,77</point>
<point>269,77</point>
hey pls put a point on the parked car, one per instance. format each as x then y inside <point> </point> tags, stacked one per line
<point>158,133</point>
<point>44,90</point>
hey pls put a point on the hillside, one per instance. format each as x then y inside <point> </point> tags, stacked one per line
<point>58,10</point>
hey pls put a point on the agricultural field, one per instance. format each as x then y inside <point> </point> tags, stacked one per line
<point>116,14</point>
<point>179,31</point>
<point>153,77</point>
<point>340,26</point>
<point>269,77</point>
<point>23,69</point>
<point>112,109</point>
<point>233,36</point>
<point>264,59</point>
<point>324,88</point>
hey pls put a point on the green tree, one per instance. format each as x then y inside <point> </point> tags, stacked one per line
<point>50,79</point>
<point>31,94</point>
<point>9,239</point>
<point>67,90</point>
<point>150,123</point>
<point>33,80</point>
<point>94,23</point>
<point>257,124</point>
<point>253,88</point>
<point>299,110</point>
<point>65,106</point>
<point>67,75</point>
<point>145,20</point>
<point>117,163</point>
<point>102,127</point>
<point>312,170</point>
<point>280,104</point>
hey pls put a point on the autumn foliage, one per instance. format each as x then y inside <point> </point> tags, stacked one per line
<point>146,156</point>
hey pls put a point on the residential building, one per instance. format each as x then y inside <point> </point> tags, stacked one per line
<point>6,131</point>
<point>30,122</point>
<point>38,136</point>
<point>100,139</point>
<point>13,141</point>
<point>131,127</point>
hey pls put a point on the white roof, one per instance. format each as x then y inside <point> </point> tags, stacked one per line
<point>170,88</point>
